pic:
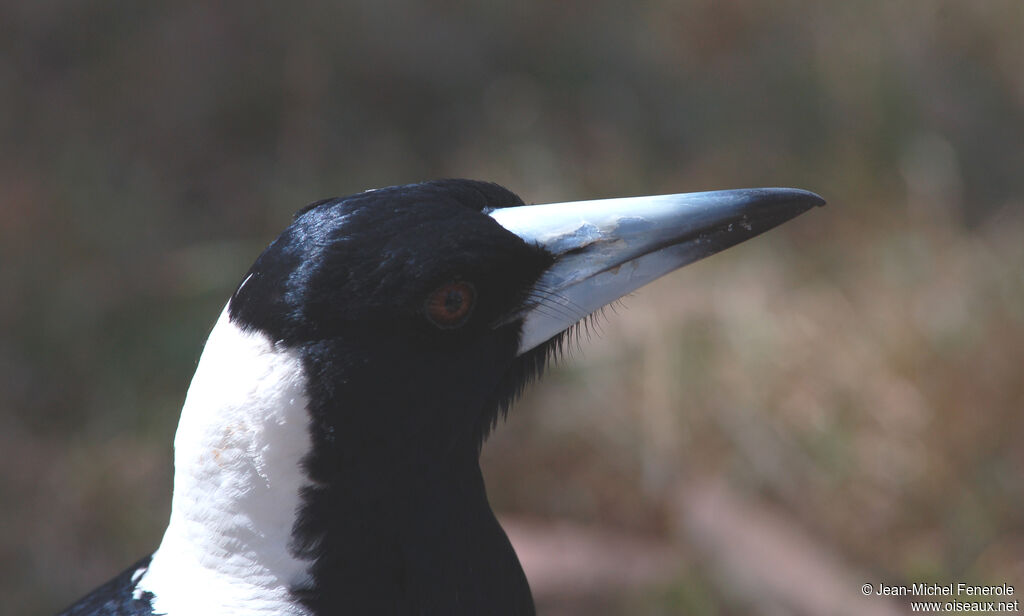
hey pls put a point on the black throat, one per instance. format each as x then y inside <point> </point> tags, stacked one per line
<point>432,548</point>
<point>396,518</point>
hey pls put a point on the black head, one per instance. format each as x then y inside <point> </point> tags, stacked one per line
<point>399,298</point>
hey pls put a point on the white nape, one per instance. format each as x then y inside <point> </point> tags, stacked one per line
<point>244,430</point>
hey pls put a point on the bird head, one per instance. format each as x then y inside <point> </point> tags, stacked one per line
<point>420,311</point>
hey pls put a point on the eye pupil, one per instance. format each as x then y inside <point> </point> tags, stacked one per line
<point>449,305</point>
<point>453,302</point>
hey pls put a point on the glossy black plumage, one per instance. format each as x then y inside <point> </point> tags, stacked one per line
<point>398,521</point>
<point>116,597</point>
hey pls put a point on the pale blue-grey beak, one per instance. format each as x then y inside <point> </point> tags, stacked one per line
<point>608,248</point>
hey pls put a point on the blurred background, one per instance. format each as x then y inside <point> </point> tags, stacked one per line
<point>838,402</point>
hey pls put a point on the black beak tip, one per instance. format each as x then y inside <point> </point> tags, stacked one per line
<point>776,205</point>
<point>814,199</point>
<point>795,196</point>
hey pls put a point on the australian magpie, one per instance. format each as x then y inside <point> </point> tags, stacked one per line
<point>326,461</point>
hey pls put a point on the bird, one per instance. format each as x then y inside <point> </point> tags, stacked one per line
<point>327,455</point>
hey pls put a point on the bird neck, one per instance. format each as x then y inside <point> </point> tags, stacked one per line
<point>253,530</point>
<point>431,546</point>
<point>396,519</point>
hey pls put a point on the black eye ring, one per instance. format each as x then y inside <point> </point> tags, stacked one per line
<point>450,305</point>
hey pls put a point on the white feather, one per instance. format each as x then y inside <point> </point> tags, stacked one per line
<point>243,432</point>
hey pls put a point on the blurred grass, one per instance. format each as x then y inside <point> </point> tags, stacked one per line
<point>858,368</point>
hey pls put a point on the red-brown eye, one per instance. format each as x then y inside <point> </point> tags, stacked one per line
<point>449,305</point>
